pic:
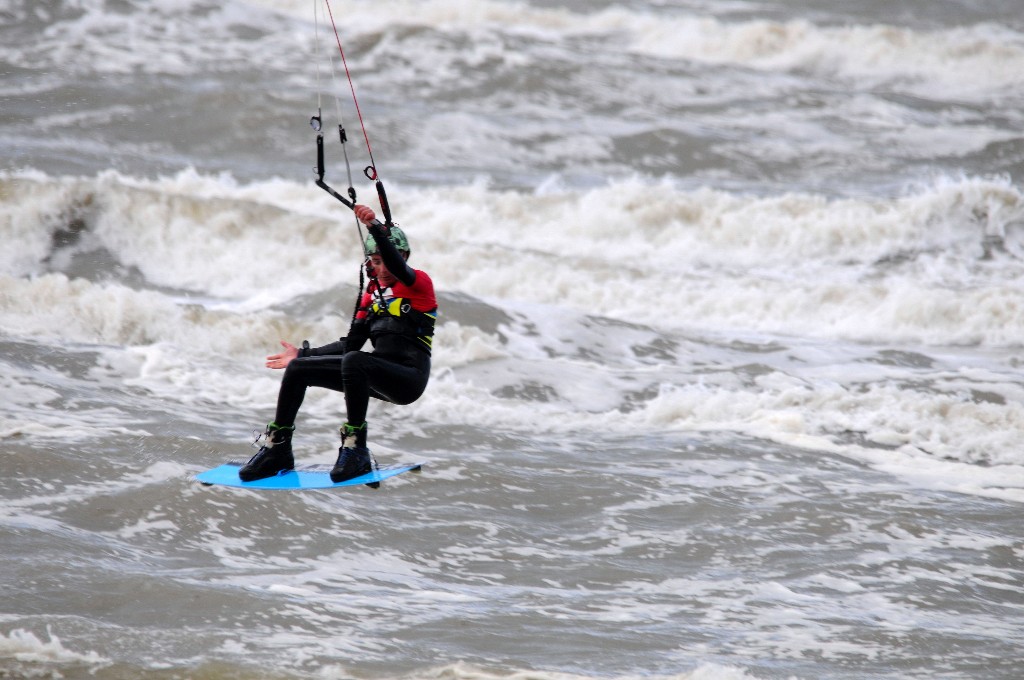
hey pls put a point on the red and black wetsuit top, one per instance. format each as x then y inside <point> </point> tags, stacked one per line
<point>399,317</point>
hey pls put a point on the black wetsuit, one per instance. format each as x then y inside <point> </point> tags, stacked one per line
<point>398,368</point>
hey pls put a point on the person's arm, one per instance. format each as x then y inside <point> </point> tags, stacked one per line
<point>358,334</point>
<point>330,349</point>
<point>282,359</point>
<point>393,259</point>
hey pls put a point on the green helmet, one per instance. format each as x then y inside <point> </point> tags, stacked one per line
<point>396,236</point>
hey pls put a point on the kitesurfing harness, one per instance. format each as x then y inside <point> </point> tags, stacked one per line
<point>399,318</point>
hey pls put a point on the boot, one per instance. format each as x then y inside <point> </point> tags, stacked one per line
<point>274,457</point>
<point>353,456</point>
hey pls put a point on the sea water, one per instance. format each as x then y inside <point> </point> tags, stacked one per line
<point>726,384</point>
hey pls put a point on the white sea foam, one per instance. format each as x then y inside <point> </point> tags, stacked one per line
<point>689,433</point>
<point>981,61</point>
<point>937,266</point>
<point>466,671</point>
<point>24,645</point>
<point>954,59</point>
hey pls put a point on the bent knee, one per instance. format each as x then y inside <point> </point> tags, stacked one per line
<point>355,362</point>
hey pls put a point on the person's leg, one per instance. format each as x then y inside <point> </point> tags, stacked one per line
<point>276,455</point>
<point>301,373</point>
<point>367,375</point>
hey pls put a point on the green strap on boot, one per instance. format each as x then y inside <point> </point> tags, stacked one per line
<point>277,434</point>
<point>351,432</point>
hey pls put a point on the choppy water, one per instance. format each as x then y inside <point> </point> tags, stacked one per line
<point>727,384</point>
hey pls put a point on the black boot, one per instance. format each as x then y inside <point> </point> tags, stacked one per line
<point>274,457</point>
<point>353,456</point>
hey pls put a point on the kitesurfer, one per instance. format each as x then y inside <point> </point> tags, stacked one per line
<point>396,312</point>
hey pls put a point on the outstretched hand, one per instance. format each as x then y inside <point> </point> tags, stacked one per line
<point>284,358</point>
<point>364,214</point>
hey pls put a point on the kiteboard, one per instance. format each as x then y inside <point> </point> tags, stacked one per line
<point>301,477</point>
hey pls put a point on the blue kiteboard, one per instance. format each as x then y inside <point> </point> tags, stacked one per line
<point>302,477</point>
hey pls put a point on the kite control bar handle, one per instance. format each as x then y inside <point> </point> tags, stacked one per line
<point>384,207</point>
